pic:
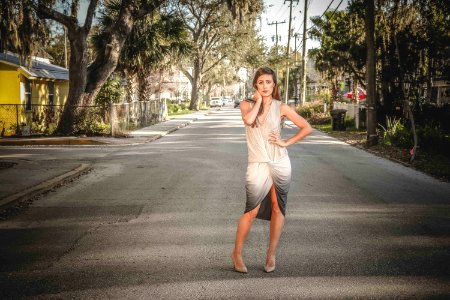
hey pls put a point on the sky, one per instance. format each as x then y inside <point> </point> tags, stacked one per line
<point>278,10</point>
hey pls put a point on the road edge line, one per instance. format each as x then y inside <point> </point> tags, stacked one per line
<point>43,186</point>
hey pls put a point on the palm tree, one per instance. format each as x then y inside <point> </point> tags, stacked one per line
<point>156,42</point>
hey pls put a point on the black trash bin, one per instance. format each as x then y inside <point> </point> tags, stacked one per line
<point>338,119</point>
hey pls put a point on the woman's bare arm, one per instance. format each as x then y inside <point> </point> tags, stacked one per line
<point>302,124</point>
<point>248,112</point>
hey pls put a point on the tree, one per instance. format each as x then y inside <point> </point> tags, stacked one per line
<point>86,80</point>
<point>223,75</point>
<point>21,31</point>
<point>342,44</point>
<point>56,46</point>
<point>155,42</point>
<point>372,137</point>
<point>214,33</point>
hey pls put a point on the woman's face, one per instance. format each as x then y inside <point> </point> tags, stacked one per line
<point>265,85</point>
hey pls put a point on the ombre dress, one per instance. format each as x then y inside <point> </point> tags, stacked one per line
<point>268,164</point>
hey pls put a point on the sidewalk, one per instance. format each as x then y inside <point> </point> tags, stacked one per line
<point>21,179</point>
<point>140,136</point>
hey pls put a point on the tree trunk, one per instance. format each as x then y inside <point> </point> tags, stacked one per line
<point>131,87</point>
<point>195,82</point>
<point>429,77</point>
<point>105,64</point>
<point>407,107</point>
<point>77,82</point>
<point>334,91</point>
<point>144,87</point>
<point>372,137</point>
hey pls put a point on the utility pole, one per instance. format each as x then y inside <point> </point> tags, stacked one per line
<point>286,92</point>
<point>303,80</point>
<point>296,35</point>
<point>276,36</point>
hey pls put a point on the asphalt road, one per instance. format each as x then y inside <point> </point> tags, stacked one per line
<point>157,221</point>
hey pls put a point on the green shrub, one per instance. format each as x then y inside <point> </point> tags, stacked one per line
<point>173,108</point>
<point>111,91</point>
<point>431,136</point>
<point>349,122</point>
<point>320,119</point>
<point>178,108</point>
<point>396,134</point>
<point>91,123</point>
<point>310,108</point>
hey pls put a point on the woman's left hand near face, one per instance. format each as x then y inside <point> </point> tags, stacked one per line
<point>275,138</point>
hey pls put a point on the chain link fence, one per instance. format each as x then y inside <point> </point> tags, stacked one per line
<point>126,117</point>
<point>115,120</point>
<point>20,119</point>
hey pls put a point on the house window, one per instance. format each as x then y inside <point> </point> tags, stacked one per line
<point>51,93</point>
<point>28,95</point>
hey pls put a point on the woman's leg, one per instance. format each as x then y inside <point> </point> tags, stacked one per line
<point>244,226</point>
<point>276,227</point>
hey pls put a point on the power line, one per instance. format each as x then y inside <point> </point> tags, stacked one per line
<point>337,7</point>
<point>281,11</point>
<point>326,9</point>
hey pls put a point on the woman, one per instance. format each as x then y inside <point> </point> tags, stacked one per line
<point>269,168</point>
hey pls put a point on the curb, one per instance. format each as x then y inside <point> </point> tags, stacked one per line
<point>379,155</point>
<point>370,151</point>
<point>154,138</point>
<point>43,186</point>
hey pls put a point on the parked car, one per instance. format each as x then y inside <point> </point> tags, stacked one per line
<point>227,100</point>
<point>215,102</point>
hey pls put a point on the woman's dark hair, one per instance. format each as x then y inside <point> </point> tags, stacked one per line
<point>275,92</point>
<point>268,71</point>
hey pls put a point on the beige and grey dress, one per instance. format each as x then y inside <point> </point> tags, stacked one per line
<point>268,164</point>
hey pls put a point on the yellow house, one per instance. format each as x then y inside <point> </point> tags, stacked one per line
<point>26,94</point>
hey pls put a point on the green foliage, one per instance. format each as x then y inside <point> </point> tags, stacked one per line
<point>44,120</point>
<point>396,134</point>
<point>320,119</point>
<point>22,31</point>
<point>111,91</point>
<point>175,109</point>
<point>324,127</point>
<point>342,43</point>
<point>421,29</point>
<point>432,138</point>
<point>155,41</point>
<point>310,108</point>
<point>349,123</point>
<point>91,123</point>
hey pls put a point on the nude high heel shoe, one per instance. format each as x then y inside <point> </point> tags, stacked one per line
<point>268,268</point>
<point>237,269</point>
